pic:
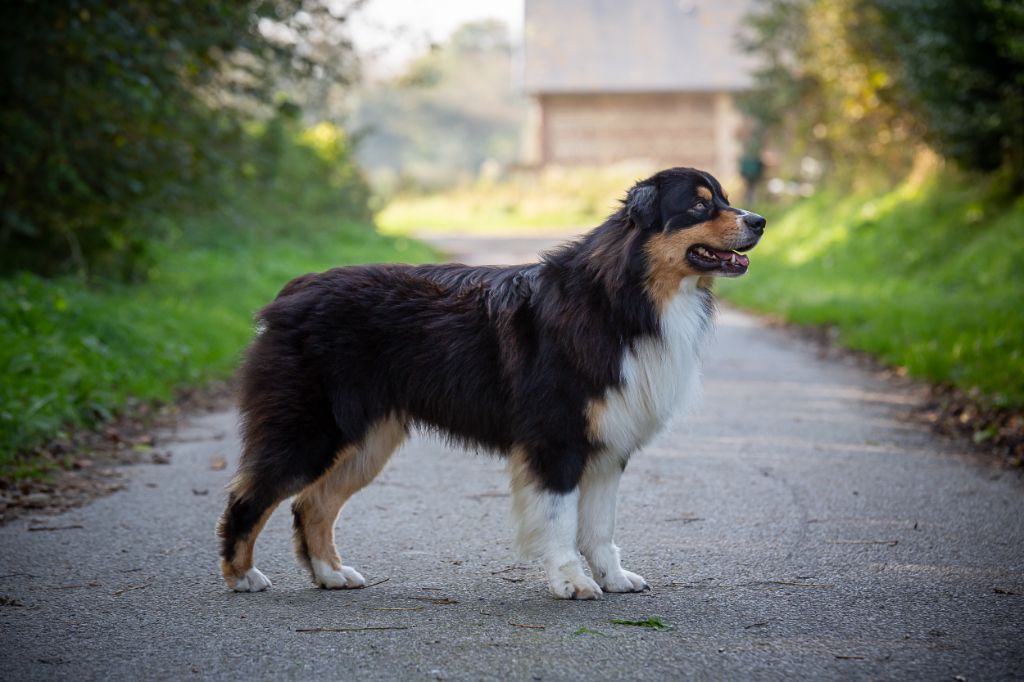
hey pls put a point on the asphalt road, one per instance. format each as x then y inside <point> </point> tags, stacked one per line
<point>796,526</point>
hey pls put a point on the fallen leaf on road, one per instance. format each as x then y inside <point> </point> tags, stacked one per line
<point>91,583</point>
<point>9,601</point>
<point>200,491</point>
<point>848,658</point>
<point>511,580</point>
<point>218,463</point>
<point>68,527</point>
<point>685,518</point>
<point>525,625</point>
<point>1004,590</point>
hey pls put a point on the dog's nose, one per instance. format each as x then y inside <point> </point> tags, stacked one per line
<point>755,222</point>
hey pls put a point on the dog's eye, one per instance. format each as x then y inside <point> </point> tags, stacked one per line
<point>699,206</point>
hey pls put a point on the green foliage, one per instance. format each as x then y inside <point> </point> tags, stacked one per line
<point>75,355</point>
<point>960,67</point>
<point>116,110</point>
<point>860,83</point>
<point>928,276</point>
<point>653,623</point>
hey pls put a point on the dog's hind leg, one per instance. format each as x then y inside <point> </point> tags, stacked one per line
<point>250,504</point>
<point>547,513</point>
<point>316,508</point>
<point>280,459</point>
<point>595,537</point>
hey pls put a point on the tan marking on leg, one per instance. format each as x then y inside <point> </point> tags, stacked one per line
<point>522,479</point>
<point>242,559</point>
<point>320,503</point>
<point>595,413</point>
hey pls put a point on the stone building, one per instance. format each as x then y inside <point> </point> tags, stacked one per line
<point>646,80</point>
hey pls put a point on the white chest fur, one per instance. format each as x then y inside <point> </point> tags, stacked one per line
<point>661,376</point>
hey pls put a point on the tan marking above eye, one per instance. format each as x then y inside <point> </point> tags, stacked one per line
<point>704,193</point>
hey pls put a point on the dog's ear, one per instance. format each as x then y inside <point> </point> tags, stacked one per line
<point>642,206</point>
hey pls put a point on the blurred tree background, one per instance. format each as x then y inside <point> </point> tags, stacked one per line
<point>114,111</point>
<point>901,122</point>
<point>447,114</point>
<point>864,84</point>
<point>167,165</point>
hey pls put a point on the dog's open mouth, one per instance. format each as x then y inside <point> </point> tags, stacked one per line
<point>707,259</point>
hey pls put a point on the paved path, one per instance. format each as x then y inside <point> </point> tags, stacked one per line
<point>797,526</point>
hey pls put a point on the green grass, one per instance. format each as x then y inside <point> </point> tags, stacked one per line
<point>528,204</point>
<point>927,276</point>
<point>653,623</point>
<point>76,355</point>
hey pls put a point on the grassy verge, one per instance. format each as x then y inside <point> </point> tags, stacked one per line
<point>928,276</point>
<point>527,204</point>
<point>75,355</point>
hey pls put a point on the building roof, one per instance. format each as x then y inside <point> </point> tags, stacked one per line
<point>634,46</point>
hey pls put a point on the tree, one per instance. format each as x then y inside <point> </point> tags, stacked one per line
<point>115,108</point>
<point>861,82</point>
<point>959,66</point>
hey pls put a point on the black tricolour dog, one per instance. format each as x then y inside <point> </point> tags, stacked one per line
<point>566,367</point>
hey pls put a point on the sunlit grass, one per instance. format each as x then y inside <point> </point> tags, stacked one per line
<point>554,199</point>
<point>930,277</point>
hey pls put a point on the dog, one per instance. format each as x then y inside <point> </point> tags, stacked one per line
<point>566,367</point>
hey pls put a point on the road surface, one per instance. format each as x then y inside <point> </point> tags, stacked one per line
<point>798,525</point>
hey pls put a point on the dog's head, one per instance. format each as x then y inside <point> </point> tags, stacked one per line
<point>689,227</point>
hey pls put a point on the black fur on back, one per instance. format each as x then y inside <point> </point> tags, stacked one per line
<point>491,357</point>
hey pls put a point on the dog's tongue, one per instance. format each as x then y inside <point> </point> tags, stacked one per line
<point>740,259</point>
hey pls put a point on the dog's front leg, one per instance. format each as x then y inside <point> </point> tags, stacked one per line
<point>547,524</point>
<point>598,491</point>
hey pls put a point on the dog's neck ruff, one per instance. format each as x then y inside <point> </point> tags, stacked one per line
<point>660,374</point>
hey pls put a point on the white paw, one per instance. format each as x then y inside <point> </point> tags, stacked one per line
<point>573,586</point>
<point>623,581</point>
<point>345,579</point>
<point>252,581</point>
